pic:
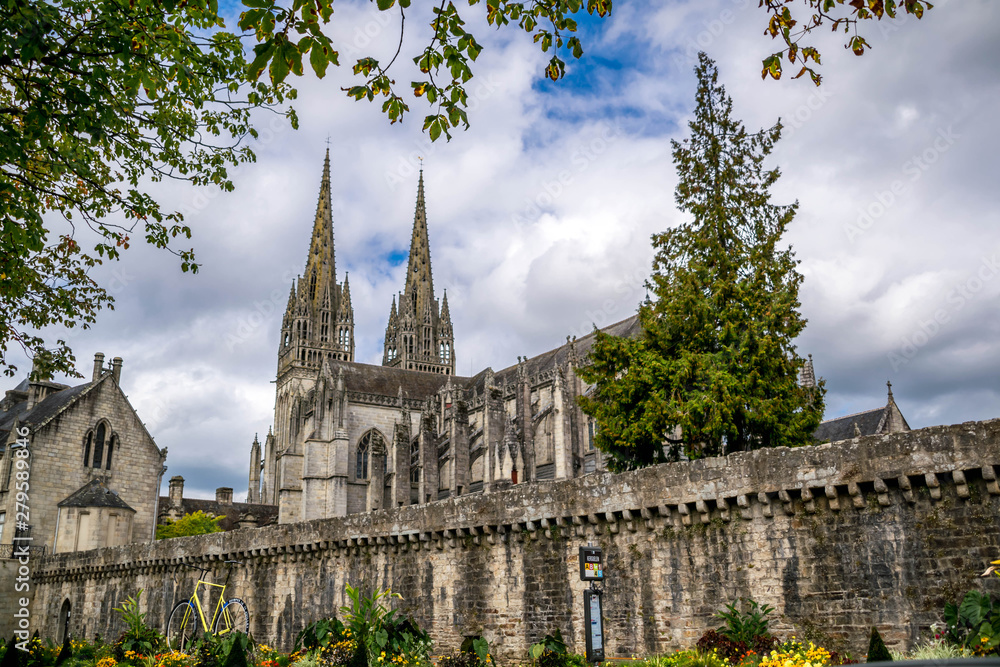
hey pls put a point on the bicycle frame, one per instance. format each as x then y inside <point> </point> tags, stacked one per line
<point>218,607</point>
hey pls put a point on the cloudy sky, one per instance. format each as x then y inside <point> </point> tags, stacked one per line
<point>540,214</point>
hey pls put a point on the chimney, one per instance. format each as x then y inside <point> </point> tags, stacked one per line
<point>116,369</point>
<point>176,490</point>
<point>98,366</point>
<point>36,385</point>
<point>248,521</point>
<point>224,495</point>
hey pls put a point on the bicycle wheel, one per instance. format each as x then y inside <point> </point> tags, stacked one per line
<point>181,625</point>
<point>234,617</point>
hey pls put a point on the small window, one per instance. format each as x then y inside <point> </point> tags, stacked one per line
<point>592,432</point>
<point>415,461</point>
<point>3,520</point>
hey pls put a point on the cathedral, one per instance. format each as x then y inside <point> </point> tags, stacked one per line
<point>351,437</point>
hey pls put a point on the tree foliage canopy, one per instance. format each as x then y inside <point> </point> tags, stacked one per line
<point>99,99</point>
<point>715,369</point>
<point>195,523</point>
<point>792,29</point>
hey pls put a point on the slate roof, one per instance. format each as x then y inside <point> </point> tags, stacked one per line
<point>627,328</point>
<point>95,494</point>
<point>230,512</point>
<point>42,411</point>
<point>842,428</point>
<point>386,380</point>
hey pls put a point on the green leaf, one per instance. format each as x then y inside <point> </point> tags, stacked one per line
<point>319,59</point>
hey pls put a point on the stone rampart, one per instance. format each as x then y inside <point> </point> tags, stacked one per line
<point>880,530</point>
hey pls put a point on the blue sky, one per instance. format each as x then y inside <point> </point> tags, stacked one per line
<point>540,214</point>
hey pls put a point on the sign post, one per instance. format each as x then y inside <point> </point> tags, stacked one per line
<point>592,570</point>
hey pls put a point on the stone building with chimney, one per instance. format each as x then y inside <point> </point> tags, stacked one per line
<point>233,515</point>
<point>94,471</point>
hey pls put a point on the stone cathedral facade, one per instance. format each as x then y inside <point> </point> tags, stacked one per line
<point>351,437</point>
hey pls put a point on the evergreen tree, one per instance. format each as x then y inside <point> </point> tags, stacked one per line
<point>877,650</point>
<point>714,369</point>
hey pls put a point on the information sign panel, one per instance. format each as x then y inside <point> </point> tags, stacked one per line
<point>594,621</point>
<point>591,564</point>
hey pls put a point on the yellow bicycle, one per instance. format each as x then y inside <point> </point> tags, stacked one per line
<point>230,615</point>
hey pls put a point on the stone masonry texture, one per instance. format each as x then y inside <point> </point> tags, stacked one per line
<point>878,530</point>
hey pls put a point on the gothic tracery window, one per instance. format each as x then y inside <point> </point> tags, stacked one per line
<point>415,461</point>
<point>364,447</point>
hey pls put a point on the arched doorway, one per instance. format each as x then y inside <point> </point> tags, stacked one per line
<point>64,615</point>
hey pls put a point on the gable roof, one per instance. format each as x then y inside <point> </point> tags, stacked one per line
<point>887,419</point>
<point>55,404</point>
<point>95,494</point>
<point>386,380</point>
<point>842,428</point>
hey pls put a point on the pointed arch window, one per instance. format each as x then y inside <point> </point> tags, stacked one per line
<point>112,446</point>
<point>86,448</point>
<point>369,440</point>
<point>415,461</point>
<point>361,467</point>
<point>344,338</point>
<point>99,440</point>
<point>312,285</point>
<point>324,328</point>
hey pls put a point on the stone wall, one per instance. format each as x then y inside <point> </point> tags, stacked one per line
<point>838,537</point>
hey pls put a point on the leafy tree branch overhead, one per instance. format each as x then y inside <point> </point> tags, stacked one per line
<point>97,101</point>
<point>287,35</point>
<point>841,15</point>
<point>101,99</point>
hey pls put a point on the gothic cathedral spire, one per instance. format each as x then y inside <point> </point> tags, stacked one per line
<point>319,321</point>
<point>419,335</point>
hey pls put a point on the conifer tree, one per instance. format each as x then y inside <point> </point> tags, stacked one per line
<point>714,369</point>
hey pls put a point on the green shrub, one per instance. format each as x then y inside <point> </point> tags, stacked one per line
<point>689,658</point>
<point>138,637</point>
<point>475,652</point>
<point>975,624</point>
<point>195,523</point>
<point>319,634</point>
<point>745,625</point>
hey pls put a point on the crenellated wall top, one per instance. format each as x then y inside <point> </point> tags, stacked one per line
<point>758,485</point>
